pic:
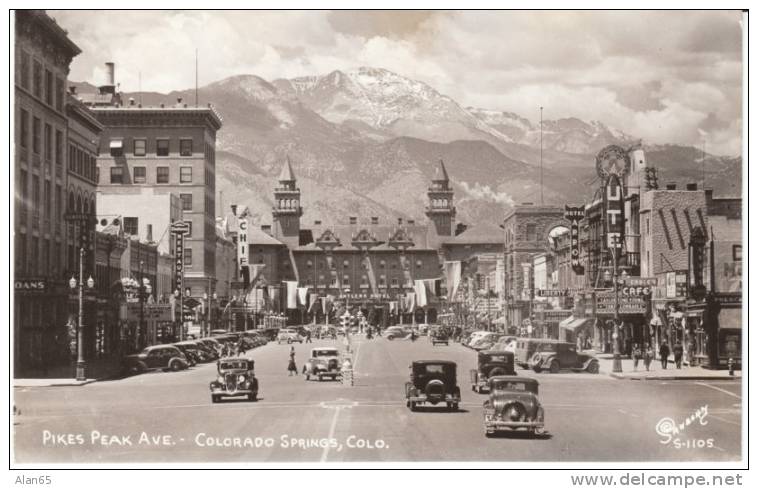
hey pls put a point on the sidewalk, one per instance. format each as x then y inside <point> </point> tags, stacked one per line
<point>64,375</point>
<point>658,373</point>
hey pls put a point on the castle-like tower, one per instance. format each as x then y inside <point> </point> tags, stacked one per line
<point>441,210</point>
<point>287,211</point>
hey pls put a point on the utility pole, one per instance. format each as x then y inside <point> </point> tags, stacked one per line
<point>616,311</point>
<point>542,194</point>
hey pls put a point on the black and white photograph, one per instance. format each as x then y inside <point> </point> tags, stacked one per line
<point>361,238</point>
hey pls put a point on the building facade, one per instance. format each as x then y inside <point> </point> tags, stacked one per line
<point>165,150</point>
<point>43,54</point>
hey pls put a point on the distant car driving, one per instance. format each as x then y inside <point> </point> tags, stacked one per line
<point>433,382</point>
<point>323,362</point>
<point>288,336</point>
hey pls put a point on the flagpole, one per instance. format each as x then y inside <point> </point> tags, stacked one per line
<point>542,196</point>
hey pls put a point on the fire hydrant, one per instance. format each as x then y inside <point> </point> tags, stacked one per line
<point>730,364</point>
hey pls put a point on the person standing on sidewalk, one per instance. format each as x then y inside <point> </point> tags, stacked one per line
<point>648,356</point>
<point>664,352</point>
<point>678,353</point>
<point>292,366</point>
<point>636,355</point>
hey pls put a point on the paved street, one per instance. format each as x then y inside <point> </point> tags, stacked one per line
<point>589,417</point>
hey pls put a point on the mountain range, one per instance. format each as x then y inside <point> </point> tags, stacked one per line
<point>365,142</point>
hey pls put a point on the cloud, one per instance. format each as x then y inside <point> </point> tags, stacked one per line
<point>484,192</point>
<point>652,74</point>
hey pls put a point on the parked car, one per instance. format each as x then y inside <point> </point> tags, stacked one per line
<point>155,357</point>
<point>513,404</point>
<point>213,344</point>
<point>270,333</point>
<point>433,382</point>
<point>485,341</point>
<point>236,377</point>
<point>491,363</point>
<point>506,343</point>
<point>218,332</point>
<point>526,348</point>
<point>559,355</point>
<point>474,337</point>
<point>394,332</point>
<point>323,362</point>
<point>190,351</point>
<point>288,336</point>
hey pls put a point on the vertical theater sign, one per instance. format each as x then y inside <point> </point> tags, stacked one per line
<point>573,215</point>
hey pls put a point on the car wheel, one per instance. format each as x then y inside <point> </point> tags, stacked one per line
<point>390,338</point>
<point>307,376</point>
<point>537,369</point>
<point>214,399</point>
<point>555,367</point>
<point>413,406</point>
<point>489,433</point>
<point>252,397</point>
<point>289,341</point>
<point>454,406</point>
<point>175,366</point>
<point>593,368</point>
<point>539,431</point>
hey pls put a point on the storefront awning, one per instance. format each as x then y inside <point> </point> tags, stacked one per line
<point>575,324</point>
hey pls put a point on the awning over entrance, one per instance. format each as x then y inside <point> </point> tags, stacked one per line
<point>575,324</point>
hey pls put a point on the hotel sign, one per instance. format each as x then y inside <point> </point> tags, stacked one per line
<point>179,229</point>
<point>574,215</point>
<point>605,303</point>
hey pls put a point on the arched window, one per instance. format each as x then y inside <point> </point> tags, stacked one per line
<point>79,204</point>
<point>71,201</point>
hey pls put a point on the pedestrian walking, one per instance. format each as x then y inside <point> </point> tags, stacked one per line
<point>636,355</point>
<point>308,337</point>
<point>678,354</point>
<point>292,366</point>
<point>648,355</point>
<point>664,352</point>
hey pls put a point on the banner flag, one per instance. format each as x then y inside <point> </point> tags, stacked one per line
<point>410,301</point>
<point>302,295</point>
<point>420,288</point>
<point>452,278</point>
<point>291,294</point>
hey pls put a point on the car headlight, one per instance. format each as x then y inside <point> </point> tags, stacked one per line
<point>241,378</point>
<point>220,379</point>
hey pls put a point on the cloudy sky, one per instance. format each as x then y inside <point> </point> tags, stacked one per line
<point>663,76</point>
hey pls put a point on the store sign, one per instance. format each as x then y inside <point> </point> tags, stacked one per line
<point>556,292</point>
<point>725,299</point>
<point>242,244</point>
<point>574,215</point>
<point>30,285</point>
<point>606,304</point>
<point>639,281</point>
<point>613,200</point>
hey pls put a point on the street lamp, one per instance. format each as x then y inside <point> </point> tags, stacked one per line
<point>80,362</point>
<point>206,329</point>
<point>616,315</point>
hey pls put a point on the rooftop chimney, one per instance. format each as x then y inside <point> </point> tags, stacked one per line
<point>266,228</point>
<point>149,233</point>
<point>691,186</point>
<point>234,209</point>
<point>179,100</point>
<point>353,220</point>
<point>670,186</point>
<point>110,73</point>
<point>374,220</point>
<point>72,89</point>
<point>131,101</point>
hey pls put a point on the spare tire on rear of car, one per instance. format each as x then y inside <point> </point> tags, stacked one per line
<point>434,388</point>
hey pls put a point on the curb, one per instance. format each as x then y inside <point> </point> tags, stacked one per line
<point>69,384</point>
<point>672,377</point>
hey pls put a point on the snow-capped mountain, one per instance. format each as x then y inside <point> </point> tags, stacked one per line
<point>386,101</point>
<point>366,141</point>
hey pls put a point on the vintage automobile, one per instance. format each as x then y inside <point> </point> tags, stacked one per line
<point>513,404</point>
<point>190,352</point>
<point>236,377</point>
<point>557,355</point>
<point>433,382</point>
<point>506,343</point>
<point>475,336</point>
<point>439,336</point>
<point>155,357</point>
<point>491,363</point>
<point>395,332</point>
<point>324,362</point>
<point>288,336</point>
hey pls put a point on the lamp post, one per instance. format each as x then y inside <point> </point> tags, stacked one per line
<point>80,362</point>
<point>616,314</point>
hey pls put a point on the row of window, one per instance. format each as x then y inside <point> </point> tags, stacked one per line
<point>162,174</point>
<point>346,264</point>
<point>50,89</point>
<point>131,226</point>
<point>39,193</point>
<point>381,282</point>
<point>162,147</point>
<point>41,138</point>
<point>82,163</point>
